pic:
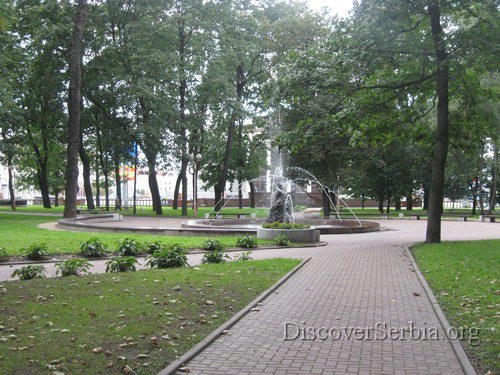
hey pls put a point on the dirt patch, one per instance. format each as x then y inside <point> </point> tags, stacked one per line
<point>51,226</point>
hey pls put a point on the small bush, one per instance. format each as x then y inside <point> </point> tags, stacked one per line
<point>29,272</point>
<point>215,257</point>
<point>4,257</point>
<point>129,247</point>
<point>121,264</point>
<point>36,251</point>
<point>151,247</point>
<point>247,242</point>
<point>279,225</point>
<point>172,256</point>
<point>73,267</point>
<point>213,244</point>
<point>93,248</point>
<point>282,240</point>
<point>243,256</point>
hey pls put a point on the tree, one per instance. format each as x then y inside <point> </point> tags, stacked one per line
<point>74,105</point>
<point>40,88</point>
<point>400,52</point>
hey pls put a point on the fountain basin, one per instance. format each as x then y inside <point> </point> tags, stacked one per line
<point>309,235</point>
<point>325,226</point>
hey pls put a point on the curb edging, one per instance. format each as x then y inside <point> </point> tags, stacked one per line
<point>456,346</point>
<point>203,344</point>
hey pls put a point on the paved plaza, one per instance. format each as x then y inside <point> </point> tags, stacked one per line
<point>357,306</point>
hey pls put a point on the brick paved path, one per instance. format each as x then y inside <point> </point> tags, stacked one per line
<point>350,286</point>
<point>365,282</point>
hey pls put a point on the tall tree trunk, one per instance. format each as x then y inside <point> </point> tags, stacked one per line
<point>184,166</point>
<point>409,202</point>
<point>56,198</point>
<point>327,210</point>
<point>74,103</point>
<point>473,188</point>
<point>231,126</point>
<point>118,181</point>
<point>433,234</point>
<point>153,183</point>
<point>175,204</point>
<point>183,42</point>
<point>106,186</point>
<point>240,192</point>
<point>219,198</point>
<point>44,185</point>
<point>494,174</point>
<point>11,182</point>
<point>397,204</point>
<point>252,194</point>
<point>87,185</point>
<point>427,192</point>
<point>97,184</point>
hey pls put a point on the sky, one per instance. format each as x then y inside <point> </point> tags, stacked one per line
<point>341,7</point>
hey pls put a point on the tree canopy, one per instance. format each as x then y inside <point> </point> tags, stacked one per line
<point>386,103</point>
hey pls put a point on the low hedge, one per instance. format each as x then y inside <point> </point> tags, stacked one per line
<point>279,225</point>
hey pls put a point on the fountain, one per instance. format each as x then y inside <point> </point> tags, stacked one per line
<point>282,206</point>
<point>282,210</point>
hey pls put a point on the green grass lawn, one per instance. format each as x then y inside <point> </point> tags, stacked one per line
<point>100,323</point>
<point>21,231</point>
<point>143,211</point>
<point>465,277</point>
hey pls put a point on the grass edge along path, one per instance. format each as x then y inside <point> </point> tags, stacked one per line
<point>465,279</point>
<point>102,324</point>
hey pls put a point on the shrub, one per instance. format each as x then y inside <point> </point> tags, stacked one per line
<point>171,256</point>
<point>279,225</point>
<point>151,247</point>
<point>129,247</point>
<point>3,255</point>
<point>93,248</point>
<point>215,257</point>
<point>29,272</point>
<point>247,242</point>
<point>282,240</point>
<point>36,251</point>
<point>213,244</point>
<point>121,264</point>
<point>73,267</point>
<point>243,256</point>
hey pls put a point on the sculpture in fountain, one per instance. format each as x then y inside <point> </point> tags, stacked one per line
<point>281,210</point>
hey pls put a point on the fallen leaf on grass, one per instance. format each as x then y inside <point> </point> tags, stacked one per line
<point>127,370</point>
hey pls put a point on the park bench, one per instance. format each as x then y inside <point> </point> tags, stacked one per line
<point>94,211</point>
<point>348,215</point>
<point>461,217</point>
<point>221,215</point>
<point>418,216</point>
<point>491,218</point>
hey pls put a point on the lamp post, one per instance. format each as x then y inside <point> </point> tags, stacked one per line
<point>196,162</point>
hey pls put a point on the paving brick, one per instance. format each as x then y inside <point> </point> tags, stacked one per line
<point>362,282</point>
